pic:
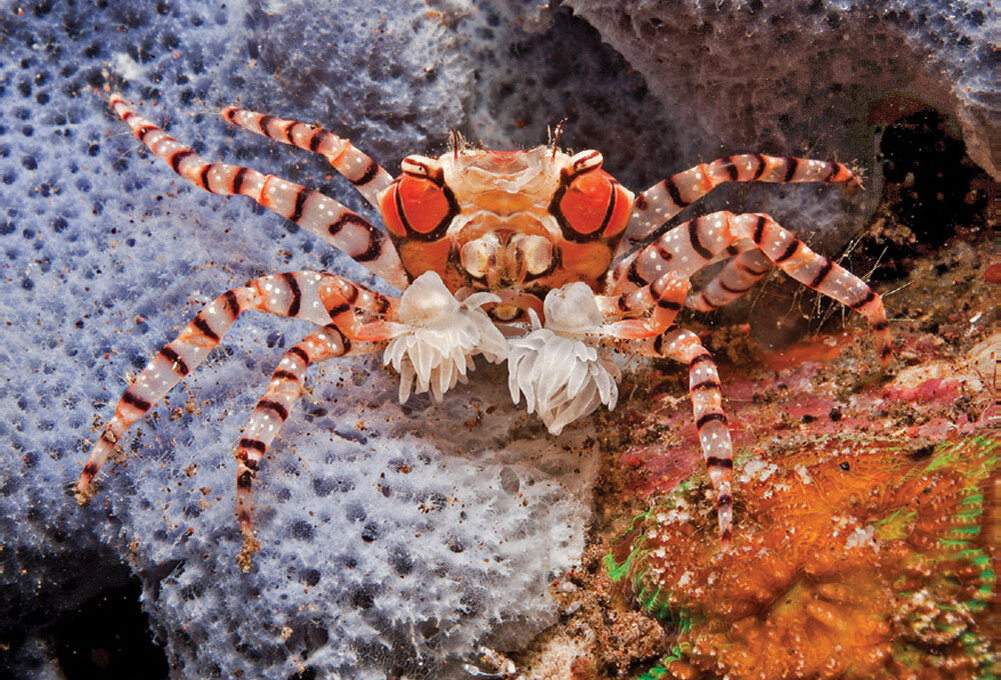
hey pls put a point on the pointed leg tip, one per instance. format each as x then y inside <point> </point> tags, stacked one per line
<point>82,492</point>
<point>245,558</point>
<point>885,357</point>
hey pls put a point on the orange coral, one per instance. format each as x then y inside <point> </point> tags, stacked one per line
<point>853,559</point>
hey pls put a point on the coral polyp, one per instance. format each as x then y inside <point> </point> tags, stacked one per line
<point>853,559</point>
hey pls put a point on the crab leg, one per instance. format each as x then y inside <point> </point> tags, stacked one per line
<point>736,278</point>
<point>273,409</point>
<point>664,297</point>
<point>658,204</point>
<point>691,245</point>
<point>316,297</point>
<point>345,230</point>
<point>368,177</point>
<point>707,410</point>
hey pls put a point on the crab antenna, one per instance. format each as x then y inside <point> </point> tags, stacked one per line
<point>454,136</point>
<point>556,136</point>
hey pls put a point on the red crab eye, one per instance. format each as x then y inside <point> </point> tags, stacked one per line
<point>418,206</point>
<point>592,205</point>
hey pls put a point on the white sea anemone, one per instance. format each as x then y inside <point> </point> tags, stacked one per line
<point>437,337</point>
<point>562,378</point>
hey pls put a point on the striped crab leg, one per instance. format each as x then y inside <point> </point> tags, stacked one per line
<point>693,244</point>
<point>313,296</point>
<point>663,299</point>
<point>345,230</point>
<point>736,278</point>
<point>274,408</point>
<point>658,204</point>
<point>368,177</point>
<point>707,410</point>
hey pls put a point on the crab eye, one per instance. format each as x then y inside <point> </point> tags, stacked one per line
<point>418,206</point>
<point>591,205</point>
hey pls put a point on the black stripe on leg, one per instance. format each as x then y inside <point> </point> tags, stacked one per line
<point>709,417</point>
<point>275,407</point>
<point>232,304</point>
<point>663,252</point>
<point>792,165</point>
<point>337,310</point>
<point>238,178</point>
<point>822,274</point>
<point>789,251</point>
<point>675,194</point>
<point>134,401</point>
<point>300,201</point>
<point>366,176</point>
<point>699,359</point>
<point>759,230</point>
<point>753,272</point>
<point>731,169</point>
<point>203,176</point>
<point>301,353</point>
<point>177,363</point>
<point>693,237</point>
<point>262,124</point>
<point>831,173</point>
<point>634,276</point>
<point>866,299</point>
<point>254,444</point>
<point>285,375</point>
<point>705,385</point>
<point>293,285</point>
<point>761,167</point>
<point>347,218</point>
<point>245,479</point>
<point>289,135</point>
<point>177,157</point>
<point>345,343</point>
<point>315,139</point>
<point>203,326</point>
<point>733,291</point>
<point>668,304</point>
<point>374,249</point>
<point>717,462</point>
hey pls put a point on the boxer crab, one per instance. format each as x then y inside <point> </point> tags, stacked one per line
<point>506,254</point>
